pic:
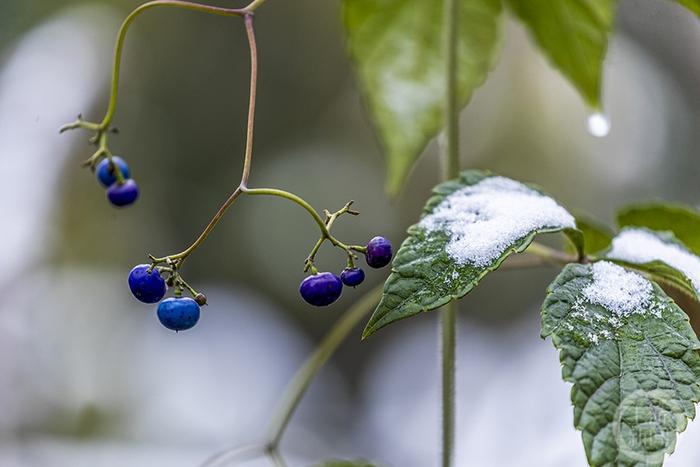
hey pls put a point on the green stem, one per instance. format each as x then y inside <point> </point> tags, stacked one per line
<point>294,198</point>
<point>448,315</point>
<point>297,387</point>
<point>247,158</point>
<point>119,46</point>
<point>254,5</point>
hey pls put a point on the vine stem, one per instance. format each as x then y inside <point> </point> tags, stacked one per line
<point>301,381</point>
<point>450,156</point>
<point>119,46</point>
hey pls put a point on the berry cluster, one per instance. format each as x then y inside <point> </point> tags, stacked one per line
<point>114,174</point>
<point>177,313</point>
<point>324,288</point>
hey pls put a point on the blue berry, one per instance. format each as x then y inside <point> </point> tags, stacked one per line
<point>379,252</point>
<point>105,173</point>
<point>352,276</point>
<point>178,314</point>
<point>124,194</point>
<point>148,287</point>
<point>321,289</point>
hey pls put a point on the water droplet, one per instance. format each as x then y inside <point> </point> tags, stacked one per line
<point>598,124</point>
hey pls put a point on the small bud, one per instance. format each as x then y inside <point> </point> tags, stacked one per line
<point>201,299</point>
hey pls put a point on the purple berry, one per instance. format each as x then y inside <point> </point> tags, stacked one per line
<point>379,252</point>
<point>321,289</point>
<point>148,287</point>
<point>105,172</point>
<point>178,314</point>
<point>124,194</point>
<point>352,276</point>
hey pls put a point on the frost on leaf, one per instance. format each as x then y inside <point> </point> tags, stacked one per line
<point>632,357</point>
<point>468,229</point>
<point>640,246</point>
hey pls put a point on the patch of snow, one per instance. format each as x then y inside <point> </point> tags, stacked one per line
<point>485,219</point>
<point>642,246</point>
<point>618,290</point>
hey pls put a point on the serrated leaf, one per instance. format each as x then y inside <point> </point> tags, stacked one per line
<point>439,261</point>
<point>682,220</point>
<point>397,49</point>
<point>692,5</point>
<point>573,34</point>
<point>596,235</point>
<point>636,375</point>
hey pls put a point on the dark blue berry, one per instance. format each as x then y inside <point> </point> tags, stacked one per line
<point>321,289</point>
<point>105,172</point>
<point>352,276</point>
<point>148,287</point>
<point>124,194</point>
<point>178,314</point>
<point>378,252</point>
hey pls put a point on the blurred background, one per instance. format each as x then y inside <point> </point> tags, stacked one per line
<point>88,377</point>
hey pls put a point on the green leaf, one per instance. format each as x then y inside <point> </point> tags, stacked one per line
<point>574,36</point>
<point>660,256</point>
<point>636,375</point>
<point>682,220</point>
<point>596,235</point>
<point>577,241</point>
<point>662,273</point>
<point>692,5</point>
<point>437,263</point>
<point>397,49</point>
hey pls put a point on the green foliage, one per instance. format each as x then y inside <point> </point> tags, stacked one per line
<point>574,36</point>
<point>397,49</point>
<point>680,219</point>
<point>692,5</point>
<point>633,391</point>
<point>424,277</point>
<point>596,235</point>
<point>662,273</point>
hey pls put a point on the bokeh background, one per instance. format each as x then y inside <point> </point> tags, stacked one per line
<point>87,375</point>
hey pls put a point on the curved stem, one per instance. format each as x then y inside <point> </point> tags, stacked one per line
<point>248,156</point>
<point>243,454</point>
<point>294,198</point>
<point>302,379</point>
<point>116,65</point>
<point>297,387</point>
<point>448,315</point>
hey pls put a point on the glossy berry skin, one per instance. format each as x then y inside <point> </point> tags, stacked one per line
<point>352,277</point>
<point>178,314</point>
<point>147,287</point>
<point>379,252</point>
<point>321,289</point>
<point>106,176</point>
<point>124,194</point>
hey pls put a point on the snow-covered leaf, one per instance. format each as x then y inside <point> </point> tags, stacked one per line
<point>682,220</point>
<point>632,357</point>
<point>469,227</point>
<point>660,255</point>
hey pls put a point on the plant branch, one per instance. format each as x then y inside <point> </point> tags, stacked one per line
<point>297,387</point>
<point>248,157</point>
<point>448,315</point>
